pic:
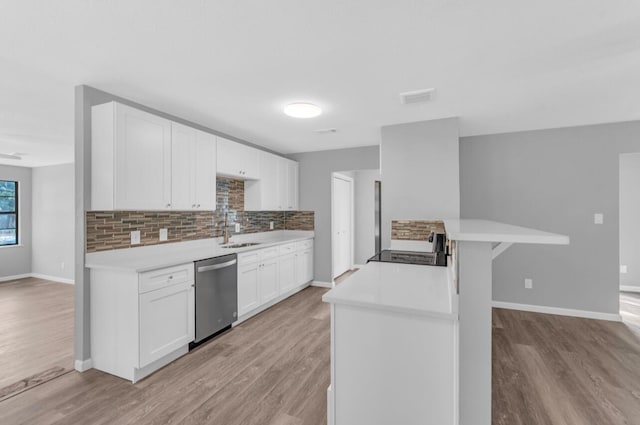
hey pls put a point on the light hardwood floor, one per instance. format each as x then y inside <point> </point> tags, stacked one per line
<point>274,369</point>
<point>36,330</point>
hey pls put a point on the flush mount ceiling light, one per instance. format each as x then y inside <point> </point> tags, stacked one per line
<point>302,110</point>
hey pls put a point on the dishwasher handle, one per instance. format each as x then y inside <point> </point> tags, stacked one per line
<point>217,266</point>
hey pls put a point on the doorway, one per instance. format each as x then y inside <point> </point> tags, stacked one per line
<point>342,209</point>
<point>629,237</point>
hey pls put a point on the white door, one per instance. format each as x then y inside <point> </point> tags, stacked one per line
<point>248,288</point>
<point>342,210</point>
<point>182,144</point>
<point>287,272</point>
<point>268,278</point>
<point>269,174</point>
<point>166,321</point>
<point>143,160</point>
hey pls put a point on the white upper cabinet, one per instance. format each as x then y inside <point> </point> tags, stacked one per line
<point>193,168</point>
<point>140,161</point>
<point>237,160</point>
<point>277,187</point>
<point>130,159</point>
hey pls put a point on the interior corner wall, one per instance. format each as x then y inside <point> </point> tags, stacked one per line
<point>630,220</point>
<point>316,169</point>
<point>53,221</point>
<point>16,260</point>
<point>553,180</point>
<point>420,172</point>
<point>364,202</point>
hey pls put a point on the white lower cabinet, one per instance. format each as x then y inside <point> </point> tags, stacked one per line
<point>141,321</point>
<point>268,275</point>
<point>287,272</point>
<point>248,288</point>
<point>268,278</point>
<point>166,321</point>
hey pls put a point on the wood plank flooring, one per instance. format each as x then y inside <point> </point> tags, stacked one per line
<point>36,331</point>
<point>563,370</point>
<point>274,370</point>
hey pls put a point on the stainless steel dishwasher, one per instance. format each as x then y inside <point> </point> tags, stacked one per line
<point>216,295</point>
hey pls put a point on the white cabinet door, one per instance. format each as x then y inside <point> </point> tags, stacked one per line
<point>268,278</point>
<point>269,175</point>
<point>166,321</point>
<point>237,160</point>
<point>142,160</point>
<point>304,266</point>
<point>204,171</point>
<point>292,186</point>
<point>193,169</point>
<point>287,272</point>
<point>248,288</point>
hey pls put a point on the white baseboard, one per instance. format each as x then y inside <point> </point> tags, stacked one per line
<point>321,284</point>
<point>83,365</point>
<point>14,277</point>
<point>53,278</point>
<point>358,266</point>
<point>559,311</point>
<point>627,288</point>
<point>37,275</point>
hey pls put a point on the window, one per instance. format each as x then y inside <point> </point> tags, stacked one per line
<point>8,213</point>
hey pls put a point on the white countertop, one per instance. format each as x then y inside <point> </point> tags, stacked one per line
<point>146,258</point>
<point>492,231</point>
<point>402,288</point>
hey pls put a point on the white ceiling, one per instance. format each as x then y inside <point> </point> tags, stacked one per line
<point>232,65</point>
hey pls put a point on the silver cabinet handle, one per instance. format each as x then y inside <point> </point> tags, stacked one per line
<point>168,205</point>
<point>198,206</point>
<point>170,277</point>
<point>216,266</point>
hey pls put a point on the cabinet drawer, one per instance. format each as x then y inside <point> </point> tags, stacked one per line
<point>162,278</point>
<point>248,257</point>
<point>300,246</point>
<point>271,252</point>
<point>287,248</point>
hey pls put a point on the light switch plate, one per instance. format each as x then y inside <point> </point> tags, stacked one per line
<point>164,234</point>
<point>528,283</point>
<point>598,218</point>
<point>237,227</point>
<point>135,237</point>
<point>623,268</point>
<point>271,225</point>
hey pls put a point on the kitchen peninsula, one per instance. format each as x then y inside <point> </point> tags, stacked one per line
<point>412,344</point>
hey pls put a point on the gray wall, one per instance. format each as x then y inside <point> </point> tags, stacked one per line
<point>315,193</point>
<point>630,219</point>
<point>53,221</point>
<point>419,170</point>
<point>85,98</point>
<point>16,260</point>
<point>364,192</point>
<point>553,180</point>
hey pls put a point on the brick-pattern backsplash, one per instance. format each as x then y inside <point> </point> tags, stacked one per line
<point>415,230</point>
<point>300,220</point>
<point>107,230</point>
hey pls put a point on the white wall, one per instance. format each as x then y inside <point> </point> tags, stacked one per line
<point>630,219</point>
<point>16,260</point>
<point>364,193</point>
<point>420,172</point>
<point>53,222</point>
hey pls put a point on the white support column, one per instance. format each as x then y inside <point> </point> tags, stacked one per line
<point>475,283</point>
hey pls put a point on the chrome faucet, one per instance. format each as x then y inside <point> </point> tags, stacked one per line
<point>226,229</point>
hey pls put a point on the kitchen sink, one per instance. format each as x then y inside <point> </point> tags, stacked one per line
<point>240,245</point>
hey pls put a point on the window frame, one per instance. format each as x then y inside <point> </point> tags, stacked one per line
<point>15,212</point>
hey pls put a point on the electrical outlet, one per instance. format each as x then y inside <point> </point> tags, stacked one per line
<point>135,237</point>
<point>237,228</point>
<point>62,266</point>
<point>271,225</point>
<point>598,218</point>
<point>623,268</point>
<point>528,283</point>
<point>164,234</point>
